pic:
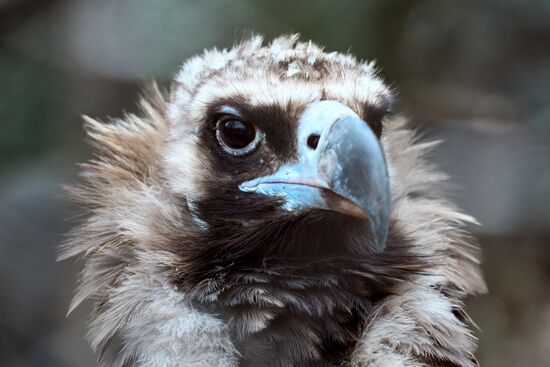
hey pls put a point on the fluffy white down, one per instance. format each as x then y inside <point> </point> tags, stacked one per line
<point>161,329</point>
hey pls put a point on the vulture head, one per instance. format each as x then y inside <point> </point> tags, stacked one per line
<point>271,212</point>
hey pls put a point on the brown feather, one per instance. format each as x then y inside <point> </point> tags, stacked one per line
<point>168,294</point>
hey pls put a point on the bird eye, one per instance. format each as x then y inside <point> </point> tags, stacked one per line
<point>236,136</point>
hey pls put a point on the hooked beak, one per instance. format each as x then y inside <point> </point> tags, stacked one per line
<point>340,167</point>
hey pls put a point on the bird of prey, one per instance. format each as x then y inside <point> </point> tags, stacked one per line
<point>269,211</point>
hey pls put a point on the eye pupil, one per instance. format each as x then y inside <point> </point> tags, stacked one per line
<point>237,134</point>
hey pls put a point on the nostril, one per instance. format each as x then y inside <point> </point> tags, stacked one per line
<point>313,141</point>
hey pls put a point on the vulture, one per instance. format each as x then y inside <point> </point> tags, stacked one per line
<point>269,209</point>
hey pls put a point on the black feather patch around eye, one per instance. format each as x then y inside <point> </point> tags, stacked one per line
<point>275,123</point>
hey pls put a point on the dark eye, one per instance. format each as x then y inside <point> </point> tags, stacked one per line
<point>236,136</point>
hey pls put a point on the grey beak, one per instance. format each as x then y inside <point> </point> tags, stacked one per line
<point>346,172</point>
<point>353,166</point>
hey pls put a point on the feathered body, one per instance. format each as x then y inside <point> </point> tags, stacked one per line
<point>186,270</point>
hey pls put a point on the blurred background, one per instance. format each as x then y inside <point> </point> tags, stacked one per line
<point>475,73</point>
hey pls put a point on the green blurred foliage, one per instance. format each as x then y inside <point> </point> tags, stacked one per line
<point>32,109</point>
